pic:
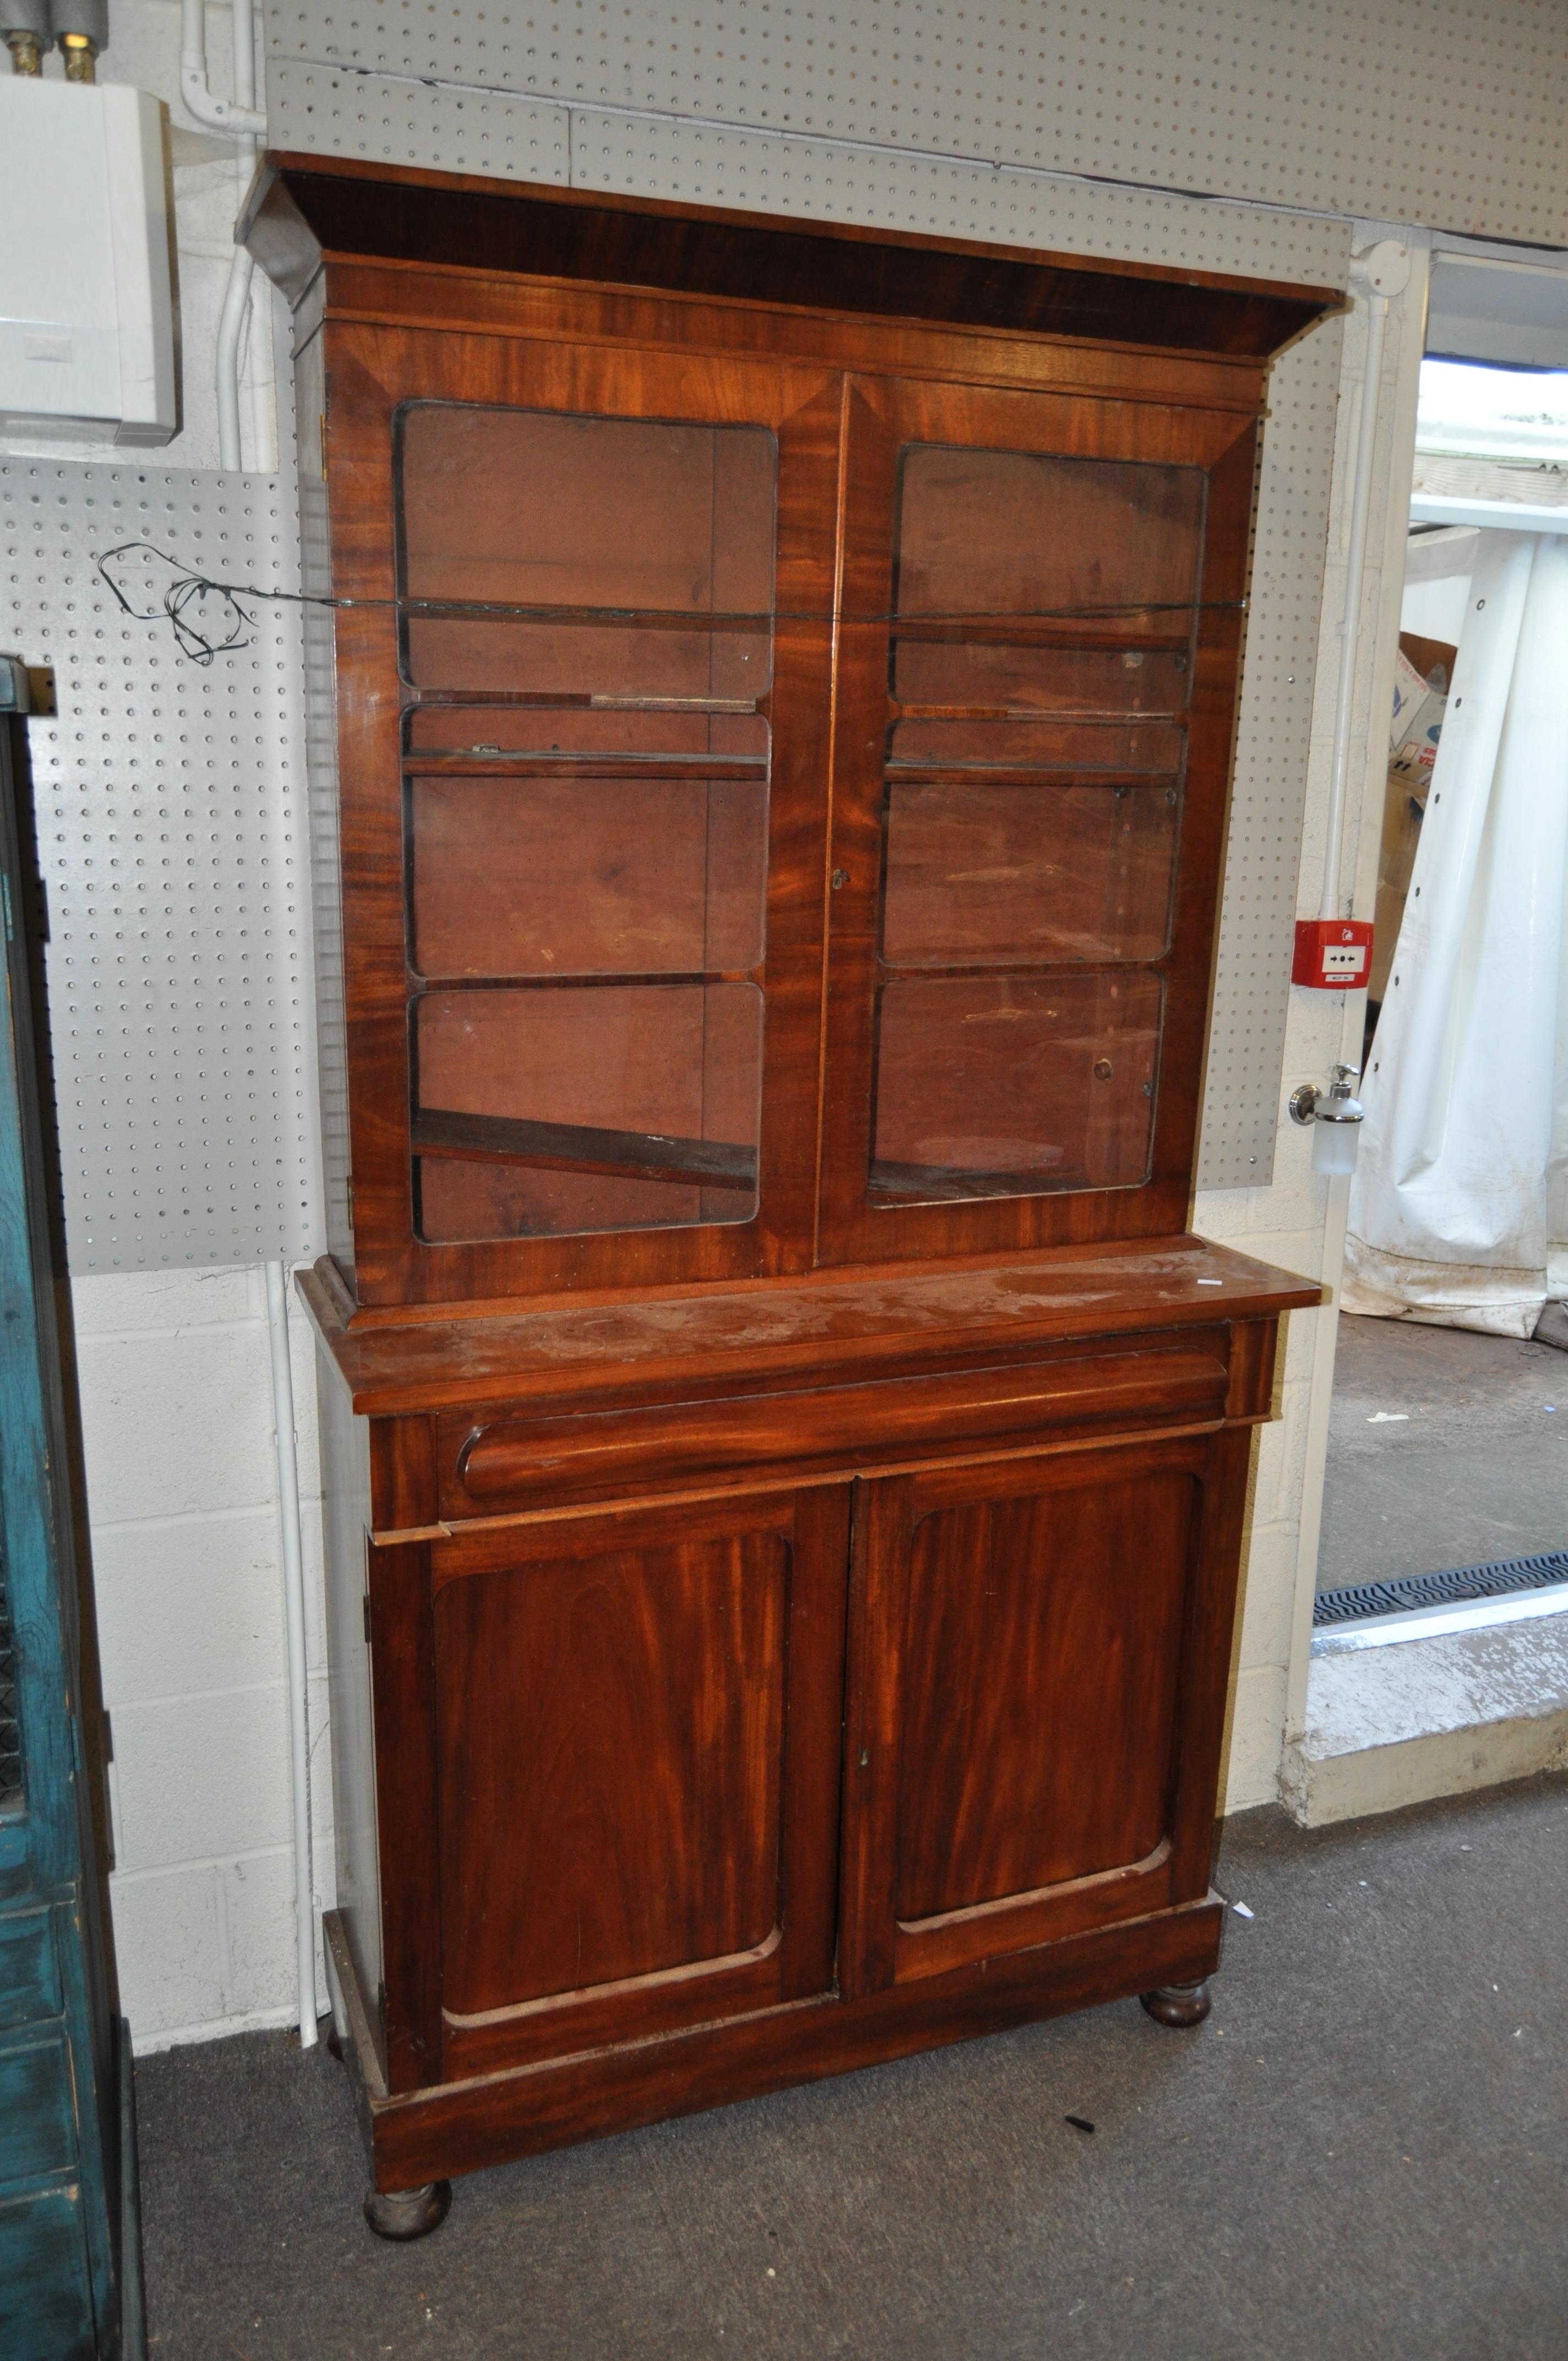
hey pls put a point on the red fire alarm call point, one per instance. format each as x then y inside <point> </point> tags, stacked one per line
<point>1333,954</point>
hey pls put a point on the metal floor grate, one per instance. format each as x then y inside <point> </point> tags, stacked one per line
<point>1363,1599</point>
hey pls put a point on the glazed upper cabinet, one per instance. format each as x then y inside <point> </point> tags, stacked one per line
<point>781,801</point>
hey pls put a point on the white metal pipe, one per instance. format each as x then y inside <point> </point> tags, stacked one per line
<point>235,117</point>
<point>241,119</point>
<point>294,1606</point>
<point>231,330</point>
<point>1385,271</point>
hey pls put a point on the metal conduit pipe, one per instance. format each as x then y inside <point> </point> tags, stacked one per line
<point>298,1670</point>
<point>237,117</point>
<point>231,332</point>
<point>241,120</point>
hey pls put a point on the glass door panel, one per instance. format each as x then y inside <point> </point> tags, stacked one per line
<point>981,874</point>
<point>588,619</point>
<point>1000,1086</point>
<point>1040,660</point>
<point>598,875</point>
<point>585,1107</point>
<point>1036,538</point>
<point>560,555</point>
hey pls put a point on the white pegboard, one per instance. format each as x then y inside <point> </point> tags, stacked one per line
<point>767,172</point>
<point>171,834</point>
<point>1263,857</point>
<point>332,113</point>
<point>1441,112</point>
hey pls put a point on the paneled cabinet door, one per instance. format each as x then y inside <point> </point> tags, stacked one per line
<point>636,1731</point>
<point>1037,1666</point>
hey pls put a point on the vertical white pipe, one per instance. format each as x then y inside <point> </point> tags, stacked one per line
<point>1385,271</point>
<point>231,329</point>
<point>294,1607</point>
<point>224,114</point>
<point>236,294</point>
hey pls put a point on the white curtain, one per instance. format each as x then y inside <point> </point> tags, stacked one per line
<point>1459,1206</point>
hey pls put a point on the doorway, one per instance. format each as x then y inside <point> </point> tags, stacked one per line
<point>1447,1477</point>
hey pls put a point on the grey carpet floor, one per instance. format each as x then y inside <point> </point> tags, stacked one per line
<point>1363,2154</point>
<point>1446,1448</point>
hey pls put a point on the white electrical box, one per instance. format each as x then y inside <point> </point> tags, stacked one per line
<point>86,318</point>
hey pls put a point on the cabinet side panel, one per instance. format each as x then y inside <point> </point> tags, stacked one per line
<point>321,766</point>
<point>345,1483</point>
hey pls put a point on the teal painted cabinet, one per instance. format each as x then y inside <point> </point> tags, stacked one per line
<point>69,2261</point>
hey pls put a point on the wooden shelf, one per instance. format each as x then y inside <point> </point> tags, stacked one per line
<point>698,770</point>
<point>919,772</point>
<point>933,1184</point>
<point>1148,631</point>
<point>582,1148</point>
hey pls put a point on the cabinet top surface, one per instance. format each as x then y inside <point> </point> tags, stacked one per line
<point>828,1324</point>
<point>305,207</point>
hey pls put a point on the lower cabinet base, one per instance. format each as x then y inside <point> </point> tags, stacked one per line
<point>429,2135</point>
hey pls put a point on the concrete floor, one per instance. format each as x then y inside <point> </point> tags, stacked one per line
<point>1445,1449</point>
<point>1363,2153</point>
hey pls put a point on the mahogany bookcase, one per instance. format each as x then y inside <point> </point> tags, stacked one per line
<point>787,1456</point>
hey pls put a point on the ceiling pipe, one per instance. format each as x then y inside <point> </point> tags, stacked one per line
<point>242,121</point>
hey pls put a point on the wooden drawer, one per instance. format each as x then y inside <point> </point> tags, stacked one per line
<point>495,1464</point>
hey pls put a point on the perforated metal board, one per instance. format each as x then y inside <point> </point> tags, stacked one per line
<point>1439,112</point>
<point>171,831</point>
<point>1263,857</point>
<point>327,113</point>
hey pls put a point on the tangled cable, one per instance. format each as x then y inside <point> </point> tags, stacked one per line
<point>199,632</point>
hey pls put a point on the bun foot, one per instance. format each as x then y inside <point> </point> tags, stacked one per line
<point>1178,2003</point>
<point>407,2213</point>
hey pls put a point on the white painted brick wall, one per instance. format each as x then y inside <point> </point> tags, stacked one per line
<point>175,1376</point>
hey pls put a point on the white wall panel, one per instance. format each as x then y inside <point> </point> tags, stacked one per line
<point>1433,111</point>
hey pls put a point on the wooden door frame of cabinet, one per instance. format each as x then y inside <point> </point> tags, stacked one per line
<point>883,417</point>
<point>422,2044</point>
<point>876,1949</point>
<point>376,375</point>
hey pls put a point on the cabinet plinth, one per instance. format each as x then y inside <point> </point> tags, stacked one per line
<point>785,1455</point>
